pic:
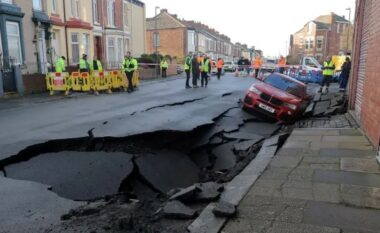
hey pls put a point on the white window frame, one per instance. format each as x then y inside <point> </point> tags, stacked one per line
<point>85,43</point>
<point>18,35</point>
<point>338,28</point>
<point>95,11</point>
<point>37,5</point>
<point>125,15</point>
<point>75,59</point>
<point>54,6</point>
<point>112,60</point>
<point>111,13</point>
<point>156,39</point>
<point>75,6</point>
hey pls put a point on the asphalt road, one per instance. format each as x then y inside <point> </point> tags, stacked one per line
<point>28,122</point>
<point>25,122</point>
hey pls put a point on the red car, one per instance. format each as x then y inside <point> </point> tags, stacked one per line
<point>278,96</point>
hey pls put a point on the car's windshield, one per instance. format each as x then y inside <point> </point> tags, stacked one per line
<point>285,84</point>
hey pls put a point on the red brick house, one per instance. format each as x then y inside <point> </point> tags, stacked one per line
<point>323,36</point>
<point>364,87</point>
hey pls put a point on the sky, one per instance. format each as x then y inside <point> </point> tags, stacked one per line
<point>265,24</point>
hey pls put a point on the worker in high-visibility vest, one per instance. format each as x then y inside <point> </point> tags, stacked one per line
<point>129,66</point>
<point>219,66</point>
<point>59,65</point>
<point>188,67</point>
<point>328,73</point>
<point>164,66</point>
<point>96,65</point>
<point>257,63</point>
<point>205,70</point>
<point>84,66</point>
<point>281,64</point>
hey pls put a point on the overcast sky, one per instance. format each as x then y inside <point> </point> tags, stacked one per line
<point>265,24</point>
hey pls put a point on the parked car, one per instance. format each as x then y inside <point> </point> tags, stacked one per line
<point>278,96</point>
<point>269,65</point>
<point>229,66</point>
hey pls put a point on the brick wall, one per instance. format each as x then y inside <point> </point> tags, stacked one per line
<point>370,111</point>
<point>172,42</point>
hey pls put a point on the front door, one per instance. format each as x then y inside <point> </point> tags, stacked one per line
<point>98,48</point>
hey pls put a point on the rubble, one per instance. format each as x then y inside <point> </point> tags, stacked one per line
<point>186,194</point>
<point>177,210</point>
<point>224,209</point>
<point>209,191</point>
<point>126,223</point>
<point>243,136</point>
<point>158,170</point>
<point>224,156</point>
<point>245,145</point>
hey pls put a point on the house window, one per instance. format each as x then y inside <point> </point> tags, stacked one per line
<point>156,39</point>
<point>6,1</point>
<point>37,5</point>
<point>125,15</point>
<point>319,43</point>
<point>14,42</point>
<point>85,43</point>
<point>95,11</point>
<point>111,12</point>
<point>75,47</point>
<point>75,8</point>
<point>311,43</point>
<point>54,6</point>
<point>119,49</point>
<point>111,51</point>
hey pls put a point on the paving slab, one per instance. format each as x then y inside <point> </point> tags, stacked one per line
<point>310,108</point>
<point>261,128</point>
<point>349,218</point>
<point>334,152</point>
<point>30,207</point>
<point>355,195</point>
<point>301,228</point>
<point>317,97</point>
<point>360,165</point>
<point>76,175</point>
<point>158,170</point>
<point>350,132</point>
<point>207,222</point>
<point>321,107</point>
<point>225,157</point>
<point>350,178</point>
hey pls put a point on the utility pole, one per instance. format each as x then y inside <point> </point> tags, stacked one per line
<point>155,40</point>
<point>348,30</point>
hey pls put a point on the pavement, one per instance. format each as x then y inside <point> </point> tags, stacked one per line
<point>321,180</point>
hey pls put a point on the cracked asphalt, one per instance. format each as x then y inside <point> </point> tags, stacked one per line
<point>156,106</point>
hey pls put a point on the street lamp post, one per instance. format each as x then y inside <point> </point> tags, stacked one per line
<point>349,25</point>
<point>155,38</point>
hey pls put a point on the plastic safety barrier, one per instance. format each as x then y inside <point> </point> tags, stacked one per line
<point>97,81</point>
<point>58,82</point>
<point>100,82</point>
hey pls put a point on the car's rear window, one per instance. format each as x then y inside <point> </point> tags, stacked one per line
<point>285,84</point>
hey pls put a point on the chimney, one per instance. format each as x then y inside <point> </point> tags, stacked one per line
<point>175,16</point>
<point>164,10</point>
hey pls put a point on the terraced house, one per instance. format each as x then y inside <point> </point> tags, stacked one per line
<point>37,32</point>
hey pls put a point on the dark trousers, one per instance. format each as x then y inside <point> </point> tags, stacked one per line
<point>204,79</point>
<point>343,81</point>
<point>187,77</point>
<point>256,73</point>
<point>195,79</point>
<point>281,70</point>
<point>219,72</point>
<point>326,80</point>
<point>163,72</point>
<point>129,77</point>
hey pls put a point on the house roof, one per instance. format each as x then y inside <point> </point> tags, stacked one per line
<point>330,18</point>
<point>322,26</point>
<point>164,20</point>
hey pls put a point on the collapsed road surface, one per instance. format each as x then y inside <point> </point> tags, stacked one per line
<point>57,154</point>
